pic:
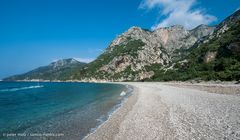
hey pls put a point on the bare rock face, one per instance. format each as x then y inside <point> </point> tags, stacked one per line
<point>158,48</point>
<point>63,62</point>
<point>202,31</point>
<point>210,56</point>
<point>144,75</point>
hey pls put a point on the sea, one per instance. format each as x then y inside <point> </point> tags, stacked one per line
<point>61,110</point>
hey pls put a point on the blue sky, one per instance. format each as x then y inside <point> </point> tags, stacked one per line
<point>34,33</point>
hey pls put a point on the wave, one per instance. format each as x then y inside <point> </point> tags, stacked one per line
<point>20,88</point>
<point>103,119</point>
<point>123,93</point>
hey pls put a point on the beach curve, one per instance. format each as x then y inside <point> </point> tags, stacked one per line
<point>160,111</point>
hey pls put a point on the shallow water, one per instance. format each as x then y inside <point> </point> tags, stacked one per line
<point>55,110</point>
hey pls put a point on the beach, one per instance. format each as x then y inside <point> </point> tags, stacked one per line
<point>174,111</point>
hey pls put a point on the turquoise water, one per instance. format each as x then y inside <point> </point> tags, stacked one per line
<point>62,110</point>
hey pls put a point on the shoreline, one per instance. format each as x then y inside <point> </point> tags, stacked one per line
<point>105,81</point>
<point>158,111</point>
<point>116,117</point>
<point>120,92</point>
<point>128,94</point>
<point>168,110</point>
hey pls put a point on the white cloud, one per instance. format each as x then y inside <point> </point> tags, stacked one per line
<point>86,60</point>
<point>178,12</point>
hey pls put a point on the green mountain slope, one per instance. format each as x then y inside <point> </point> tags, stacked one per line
<point>59,70</point>
<point>215,58</point>
<point>130,55</point>
<point>93,69</point>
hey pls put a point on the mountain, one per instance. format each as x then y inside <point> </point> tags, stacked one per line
<point>214,57</point>
<point>130,56</point>
<point>165,54</point>
<point>58,70</point>
<point>172,53</point>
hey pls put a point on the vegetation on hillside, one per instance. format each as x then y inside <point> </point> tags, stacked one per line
<point>92,70</point>
<point>225,67</point>
<point>50,72</point>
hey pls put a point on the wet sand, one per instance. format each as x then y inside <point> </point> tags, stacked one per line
<point>162,111</point>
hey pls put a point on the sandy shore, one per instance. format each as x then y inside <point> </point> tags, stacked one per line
<point>162,111</point>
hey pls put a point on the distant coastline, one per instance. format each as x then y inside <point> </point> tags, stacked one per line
<point>40,80</point>
<point>107,81</point>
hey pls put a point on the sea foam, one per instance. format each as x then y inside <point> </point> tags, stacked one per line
<point>20,88</point>
<point>123,93</point>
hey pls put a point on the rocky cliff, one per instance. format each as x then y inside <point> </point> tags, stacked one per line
<point>129,55</point>
<point>214,57</point>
